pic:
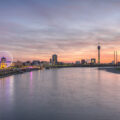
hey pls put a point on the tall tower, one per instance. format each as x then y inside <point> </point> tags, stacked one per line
<point>99,47</point>
<point>115,57</point>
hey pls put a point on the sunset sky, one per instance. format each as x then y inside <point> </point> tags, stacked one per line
<point>36,29</point>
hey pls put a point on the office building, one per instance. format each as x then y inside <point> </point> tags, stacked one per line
<point>93,61</point>
<point>54,59</point>
<point>83,61</point>
<point>77,62</point>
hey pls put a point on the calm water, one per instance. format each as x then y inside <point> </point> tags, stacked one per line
<point>61,94</point>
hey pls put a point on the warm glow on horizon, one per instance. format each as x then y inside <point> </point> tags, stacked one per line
<point>71,29</point>
<point>106,56</point>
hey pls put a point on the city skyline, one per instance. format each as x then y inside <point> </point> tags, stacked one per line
<point>71,29</point>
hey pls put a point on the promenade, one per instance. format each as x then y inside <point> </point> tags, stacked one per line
<point>14,71</point>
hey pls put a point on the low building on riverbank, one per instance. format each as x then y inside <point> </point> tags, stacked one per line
<point>17,64</point>
<point>93,61</point>
<point>27,63</point>
<point>35,63</point>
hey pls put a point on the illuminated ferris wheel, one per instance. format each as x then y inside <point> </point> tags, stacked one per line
<point>6,59</point>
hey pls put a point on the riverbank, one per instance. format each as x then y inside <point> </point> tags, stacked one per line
<point>78,65</point>
<point>111,69</point>
<point>14,71</point>
<point>9,72</point>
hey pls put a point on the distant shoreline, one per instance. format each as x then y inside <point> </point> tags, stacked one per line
<point>111,69</point>
<point>78,65</point>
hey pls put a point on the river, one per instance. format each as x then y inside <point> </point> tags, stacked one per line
<point>61,94</point>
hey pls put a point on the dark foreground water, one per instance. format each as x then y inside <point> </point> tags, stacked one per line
<point>61,94</point>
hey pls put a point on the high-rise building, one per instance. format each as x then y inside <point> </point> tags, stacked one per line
<point>54,59</point>
<point>99,47</point>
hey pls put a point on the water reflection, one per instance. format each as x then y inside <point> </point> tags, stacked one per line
<point>31,82</point>
<point>7,98</point>
<point>7,84</point>
<point>60,94</point>
<point>2,83</point>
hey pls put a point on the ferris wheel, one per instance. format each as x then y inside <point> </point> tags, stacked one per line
<point>6,59</point>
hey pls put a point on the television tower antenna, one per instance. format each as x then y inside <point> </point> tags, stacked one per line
<point>99,47</point>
